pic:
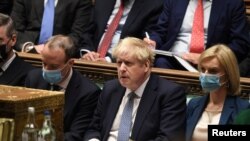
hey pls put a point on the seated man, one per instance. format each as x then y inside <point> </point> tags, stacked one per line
<point>189,27</point>
<point>37,20</point>
<point>80,93</point>
<point>117,20</point>
<point>138,105</point>
<point>13,70</point>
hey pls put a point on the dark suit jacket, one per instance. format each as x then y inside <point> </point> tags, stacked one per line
<point>227,24</point>
<point>143,15</point>
<point>160,115</point>
<point>80,99</point>
<point>6,6</point>
<point>245,67</point>
<point>71,18</point>
<point>232,106</point>
<point>16,73</point>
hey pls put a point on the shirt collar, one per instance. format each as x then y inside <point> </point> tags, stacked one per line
<point>140,90</point>
<point>65,83</point>
<point>7,63</point>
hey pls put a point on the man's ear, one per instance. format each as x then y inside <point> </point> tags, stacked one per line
<point>71,62</point>
<point>147,65</point>
<point>13,39</point>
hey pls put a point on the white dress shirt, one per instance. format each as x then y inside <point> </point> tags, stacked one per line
<point>115,127</point>
<point>182,43</point>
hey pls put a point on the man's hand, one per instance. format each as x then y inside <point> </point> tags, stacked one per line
<point>191,57</point>
<point>151,43</point>
<point>39,48</point>
<point>93,56</point>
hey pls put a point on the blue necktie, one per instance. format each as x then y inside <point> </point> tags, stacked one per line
<point>126,119</point>
<point>47,22</point>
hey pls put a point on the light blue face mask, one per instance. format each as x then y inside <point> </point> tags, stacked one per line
<point>210,82</point>
<point>52,76</point>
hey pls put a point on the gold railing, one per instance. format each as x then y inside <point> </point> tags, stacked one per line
<point>100,72</point>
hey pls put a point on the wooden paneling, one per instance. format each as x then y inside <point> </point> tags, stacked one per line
<point>100,72</point>
<point>247,3</point>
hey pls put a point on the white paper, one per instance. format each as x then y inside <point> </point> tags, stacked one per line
<point>183,62</point>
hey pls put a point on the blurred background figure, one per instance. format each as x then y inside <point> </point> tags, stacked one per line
<point>13,69</point>
<point>188,27</point>
<point>37,20</point>
<point>113,20</point>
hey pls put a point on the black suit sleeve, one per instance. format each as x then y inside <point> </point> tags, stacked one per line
<point>20,15</point>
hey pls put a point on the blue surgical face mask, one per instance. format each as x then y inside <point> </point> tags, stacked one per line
<point>53,76</point>
<point>210,82</point>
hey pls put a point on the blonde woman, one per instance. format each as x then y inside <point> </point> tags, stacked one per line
<point>219,77</point>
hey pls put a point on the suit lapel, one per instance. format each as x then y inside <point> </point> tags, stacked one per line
<point>38,8</point>
<point>116,99</point>
<point>70,93</point>
<point>227,111</point>
<point>10,74</point>
<point>198,110</point>
<point>181,9</point>
<point>147,100</point>
<point>216,9</point>
<point>178,14</point>
<point>105,8</point>
<point>134,12</point>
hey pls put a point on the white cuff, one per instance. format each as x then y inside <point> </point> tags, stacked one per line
<point>94,139</point>
<point>83,50</point>
<point>27,46</point>
<point>108,59</point>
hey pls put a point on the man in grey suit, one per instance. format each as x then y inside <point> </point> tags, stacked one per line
<point>158,105</point>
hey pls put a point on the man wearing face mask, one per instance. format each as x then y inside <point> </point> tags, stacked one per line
<point>80,93</point>
<point>13,70</point>
<point>220,79</point>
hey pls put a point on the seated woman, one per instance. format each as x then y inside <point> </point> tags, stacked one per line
<point>219,77</point>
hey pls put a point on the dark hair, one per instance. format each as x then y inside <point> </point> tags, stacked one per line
<point>6,21</point>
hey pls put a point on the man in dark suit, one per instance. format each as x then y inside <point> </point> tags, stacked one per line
<point>71,18</point>
<point>138,16</point>
<point>159,105</point>
<point>80,93</point>
<point>224,22</point>
<point>13,70</point>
